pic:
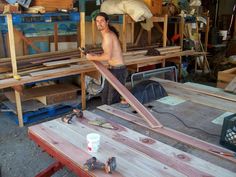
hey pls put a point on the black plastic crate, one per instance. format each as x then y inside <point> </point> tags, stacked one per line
<point>228,132</point>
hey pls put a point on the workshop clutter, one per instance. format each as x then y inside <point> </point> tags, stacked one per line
<point>136,9</point>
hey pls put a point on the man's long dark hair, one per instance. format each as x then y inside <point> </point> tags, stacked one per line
<point>112,28</point>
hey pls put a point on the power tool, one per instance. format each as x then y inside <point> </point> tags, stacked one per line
<point>93,163</point>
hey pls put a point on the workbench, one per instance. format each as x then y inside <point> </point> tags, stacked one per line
<point>136,154</point>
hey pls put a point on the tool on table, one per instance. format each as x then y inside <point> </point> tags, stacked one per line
<point>76,113</point>
<point>93,163</point>
<point>225,153</point>
<point>101,123</point>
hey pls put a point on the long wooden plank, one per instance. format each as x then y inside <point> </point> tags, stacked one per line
<point>217,94</point>
<point>158,150</point>
<point>62,62</point>
<point>151,120</point>
<point>12,44</point>
<point>231,87</point>
<point>189,140</point>
<point>198,97</point>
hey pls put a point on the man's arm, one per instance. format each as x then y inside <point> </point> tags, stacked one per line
<point>107,50</point>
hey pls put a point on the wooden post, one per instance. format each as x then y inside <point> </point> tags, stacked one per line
<point>181,31</point>
<point>234,34</point>
<point>82,23</point>
<point>12,44</point>
<point>14,67</point>
<point>176,29</point>
<point>82,29</point>
<point>139,36</point>
<point>78,35</point>
<point>94,37</point>
<point>207,33</point>
<point>124,34</point>
<point>165,30</point>
<point>149,37</point>
<point>83,91</point>
<point>132,33</point>
<point>56,36</point>
<point>19,108</point>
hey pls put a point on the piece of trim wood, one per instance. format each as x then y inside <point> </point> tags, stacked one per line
<point>12,44</point>
<point>186,139</point>
<point>203,91</point>
<point>173,88</point>
<point>150,119</point>
<point>231,87</point>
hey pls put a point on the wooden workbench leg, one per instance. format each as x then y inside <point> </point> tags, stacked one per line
<point>19,108</point>
<point>165,30</point>
<point>83,91</point>
<point>124,34</point>
<point>53,168</point>
<point>56,36</point>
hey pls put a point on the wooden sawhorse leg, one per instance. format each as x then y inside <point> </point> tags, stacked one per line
<point>53,168</point>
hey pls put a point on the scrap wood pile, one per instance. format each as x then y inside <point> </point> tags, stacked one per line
<point>29,64</point>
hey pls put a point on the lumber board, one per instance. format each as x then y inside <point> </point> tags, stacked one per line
<point>201,97</point>
<point>12,44</point>
<point>134,158</point>
<point>205,90</point>
<point>214,90</point>
<point>42,134</point>
<point>62,62</point>
<point>152,121</point>
<point>231,87</point>
<point>133,139</point>
<point>181,137</point>
<point>163,50</point>
<point>42,55</point>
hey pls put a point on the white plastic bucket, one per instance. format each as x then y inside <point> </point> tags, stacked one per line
<point>93,142</point>
<point>224,34</point>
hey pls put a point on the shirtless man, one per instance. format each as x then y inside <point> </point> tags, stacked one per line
<point>112,53</point>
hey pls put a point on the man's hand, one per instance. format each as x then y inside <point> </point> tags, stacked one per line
<point>89,56</point>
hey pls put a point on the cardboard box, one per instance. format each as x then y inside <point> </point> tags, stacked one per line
<point>155,6</point>
<point>53,5</point>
